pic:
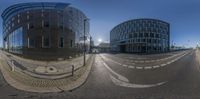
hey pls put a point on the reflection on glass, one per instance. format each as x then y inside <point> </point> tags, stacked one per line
<point>15,42</point>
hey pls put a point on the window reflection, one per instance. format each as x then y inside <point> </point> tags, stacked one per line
<point>15,42</point>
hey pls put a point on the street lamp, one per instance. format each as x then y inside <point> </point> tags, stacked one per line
<point>84,42</point>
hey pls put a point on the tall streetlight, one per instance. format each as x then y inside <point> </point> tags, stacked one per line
<point>85,20</point>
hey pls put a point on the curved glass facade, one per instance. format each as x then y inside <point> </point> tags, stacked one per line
<point>140,36</point>
<point>15,41</point>
<point>44,29</point>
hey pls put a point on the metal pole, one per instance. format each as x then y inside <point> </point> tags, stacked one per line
<point>84,44</point>
<point>72,70</point>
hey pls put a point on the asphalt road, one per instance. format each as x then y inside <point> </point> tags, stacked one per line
<point>179,79</point>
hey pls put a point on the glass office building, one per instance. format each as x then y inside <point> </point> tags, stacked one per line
<point>141,36</point>
<point>44,30</point>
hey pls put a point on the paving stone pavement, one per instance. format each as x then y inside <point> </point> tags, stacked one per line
<point>26,82</point>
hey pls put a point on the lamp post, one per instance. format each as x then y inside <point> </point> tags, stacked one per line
<point>84,42</point>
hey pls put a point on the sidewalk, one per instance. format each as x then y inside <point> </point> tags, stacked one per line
<point>197,52</point>
<point>45,77</point>
<point>43,69</point>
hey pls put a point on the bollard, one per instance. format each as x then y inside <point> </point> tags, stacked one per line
<point>13,67</point>
<point>72,70</point>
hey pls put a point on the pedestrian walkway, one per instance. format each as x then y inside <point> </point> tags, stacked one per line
<point>44,69</point>
<point>38,76</point>
<point>197,51</point>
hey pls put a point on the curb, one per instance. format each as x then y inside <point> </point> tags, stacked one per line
<point>82,79</point>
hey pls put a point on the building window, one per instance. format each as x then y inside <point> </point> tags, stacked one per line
<point>146,35</point>
<point>28,26</point>
<point>140,35</point>
<point>71,43</point>
<point>27,17</point>
<point>13,18</point>
<point>151,35</point>
<point>149,40</point>
<point>45,42</point>
<point>135,35</point>
<point>61,25</point>
<point>46,24</point>
<point>130,35</point>
<point>15,40</point>
<point>138,40</point>
<point>157,35</point>
<point>13,24</point>
<point>31,25</point>
<point>31,43</point>
<point>143,40</point>
<point>61,42</point>
<point>42,23</point>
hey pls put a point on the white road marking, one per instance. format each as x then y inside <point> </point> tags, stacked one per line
<point>172,60</point>
<point>163,65</point>
<point>155,66</point>
<point>131,67</point>
<point>149,67</point>
<point>125,65</point>
<point>130,85</point>
<point>120,77</point>
<point>176,59</point>
<point>139,67</point>
<point>168,62</point>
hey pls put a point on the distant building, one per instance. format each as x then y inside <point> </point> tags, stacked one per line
<point>177,48</point>
<point>141,36</point>
<point>44,30</point>
<point>104,47</point>
<point>91,44</point>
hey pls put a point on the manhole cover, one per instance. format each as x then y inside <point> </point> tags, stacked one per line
<point>51,69</point>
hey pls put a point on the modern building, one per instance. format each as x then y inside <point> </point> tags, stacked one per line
<point>141,36</point>
<point>45,30</point>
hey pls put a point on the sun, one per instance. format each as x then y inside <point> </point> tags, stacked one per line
<point>99,40</point>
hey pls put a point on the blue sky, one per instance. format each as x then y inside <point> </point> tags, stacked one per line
<point>183,16</point>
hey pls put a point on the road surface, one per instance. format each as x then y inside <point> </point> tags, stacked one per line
<point>167,76</point>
